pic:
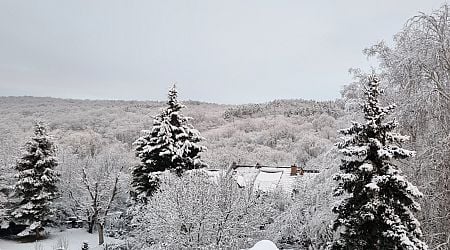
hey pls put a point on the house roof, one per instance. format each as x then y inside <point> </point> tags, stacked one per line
<point>266,178</point>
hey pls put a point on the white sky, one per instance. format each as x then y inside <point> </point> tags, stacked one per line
<point>230,51</point>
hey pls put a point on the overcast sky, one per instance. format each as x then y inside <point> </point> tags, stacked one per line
<point>217,51</point>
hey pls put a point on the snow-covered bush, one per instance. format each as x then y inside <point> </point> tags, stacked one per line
<point>200,211</point>
<point>305,222</point>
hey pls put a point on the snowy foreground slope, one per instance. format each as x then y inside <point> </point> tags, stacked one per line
<point>74,237</point>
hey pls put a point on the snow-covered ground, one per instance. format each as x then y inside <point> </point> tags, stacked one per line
<point>73,237</point>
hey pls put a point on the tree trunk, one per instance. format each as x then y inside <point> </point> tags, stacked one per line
<point>38,234</point>
<point>100,233</point>
<point>91,225</point>
<point>92,222</point>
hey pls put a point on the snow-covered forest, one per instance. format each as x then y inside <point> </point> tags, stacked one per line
<point>370,170</point>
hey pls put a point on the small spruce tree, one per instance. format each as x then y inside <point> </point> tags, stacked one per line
<point>36,181</point>
<point>85,245</point>
<point>378,213</point>
<point>171,144</point>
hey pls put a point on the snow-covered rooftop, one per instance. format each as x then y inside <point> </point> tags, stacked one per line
<point>266,178</point>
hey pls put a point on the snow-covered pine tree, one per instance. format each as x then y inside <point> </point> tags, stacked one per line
<point>171,144</point>
<point>37,180</point>
<point>378,213</point>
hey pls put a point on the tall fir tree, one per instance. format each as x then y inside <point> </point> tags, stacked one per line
<point>36,181</point>
<point>378,212</point>
<point>171,144</point>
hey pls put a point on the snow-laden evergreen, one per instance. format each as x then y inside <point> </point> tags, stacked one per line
<point>37,179</point>
<point>171,144</point>
<point>378,213</point>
